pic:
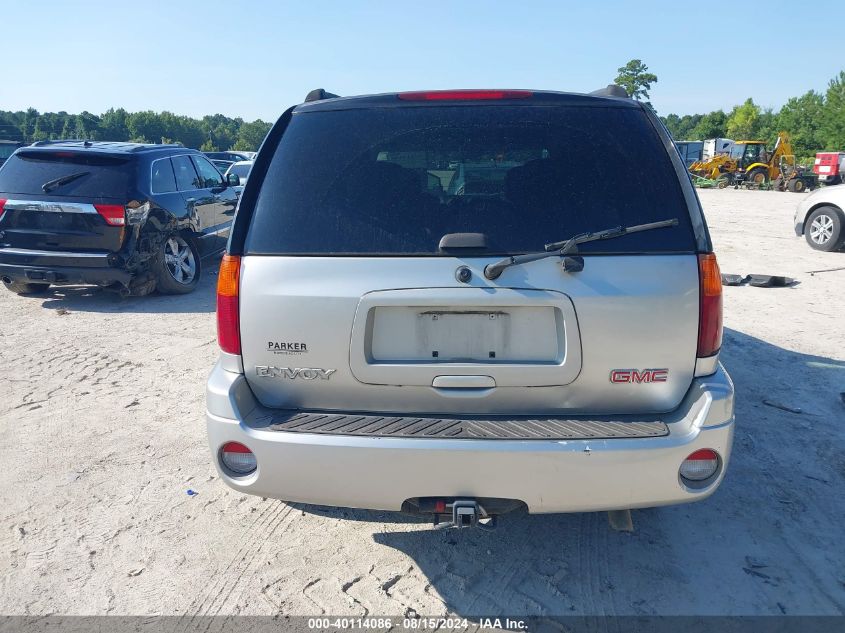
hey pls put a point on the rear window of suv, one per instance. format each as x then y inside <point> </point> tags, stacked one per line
<point>104,176</point>
<point>393,181</point>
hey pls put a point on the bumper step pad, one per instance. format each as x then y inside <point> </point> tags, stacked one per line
<point>493,428</point>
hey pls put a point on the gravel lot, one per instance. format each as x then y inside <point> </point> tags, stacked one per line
<point>102,434</point>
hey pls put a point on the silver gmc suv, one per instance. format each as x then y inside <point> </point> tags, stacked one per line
<point>461,303</point>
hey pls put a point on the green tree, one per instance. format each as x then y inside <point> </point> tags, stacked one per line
<point>711,125</point>
<point>251,135</point>
<point>28,123</point>
<point>145,125</point>
<point>744,121</point>
<point>113,125</point>
<point>832,126</point>
<point>636,79</point>
<point>803,117</point>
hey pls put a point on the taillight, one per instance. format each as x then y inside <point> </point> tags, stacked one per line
<point>2,207</point>
<point>228,325</point>
<point>701,465</point>
<point>238,458</point>
<point>113,214</point>
<point>710,306</point>
<point>464,95</point>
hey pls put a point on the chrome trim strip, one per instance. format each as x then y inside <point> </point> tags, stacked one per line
<point>46,206</point>
<point>24,251</point>
<point>706,366</point>
<point>217,232</point>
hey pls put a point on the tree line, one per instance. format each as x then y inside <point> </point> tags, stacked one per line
<point>211,133</point>
<point>815,122</point>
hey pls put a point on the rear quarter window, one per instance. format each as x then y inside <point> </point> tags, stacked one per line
<point>393,181</point>
<point>105,176</point>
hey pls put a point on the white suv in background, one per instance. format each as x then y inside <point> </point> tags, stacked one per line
<point>820,218</point>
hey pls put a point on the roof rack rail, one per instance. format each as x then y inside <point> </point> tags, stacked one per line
<point>611,90</point>
<point>318,94</point>
<point>59,140</point>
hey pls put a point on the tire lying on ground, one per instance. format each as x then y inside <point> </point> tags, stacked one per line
<point>825,229</point>
<point>177,266</point>
<point>22,288</point>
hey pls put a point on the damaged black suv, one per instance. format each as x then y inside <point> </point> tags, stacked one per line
<point>126,216</point>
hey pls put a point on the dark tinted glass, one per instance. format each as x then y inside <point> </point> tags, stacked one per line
<point>395,180</point>
<point>242,171</point>
<point>209,176</point>
<point>186,175</point>
<point>104,176</point>
<point>6,150</point>
<point>163,179</point>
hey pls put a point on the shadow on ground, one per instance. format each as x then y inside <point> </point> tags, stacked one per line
<point>96,299</point>
<point>768,542</point>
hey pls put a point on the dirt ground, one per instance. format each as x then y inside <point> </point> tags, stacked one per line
<point>102,434</point>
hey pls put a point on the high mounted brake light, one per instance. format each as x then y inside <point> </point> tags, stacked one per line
<point>710,306</point>
<point>228,323</point>
<point>464,95</point>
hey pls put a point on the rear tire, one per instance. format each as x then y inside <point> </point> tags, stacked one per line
<point>796,185</point>
<point>757,176</point>
<point>825,229</point>
<point>21,288</point>
<point>177,267</point>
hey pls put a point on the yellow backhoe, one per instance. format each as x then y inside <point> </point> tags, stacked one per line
<point>747,161</point>
<point>756,165</point>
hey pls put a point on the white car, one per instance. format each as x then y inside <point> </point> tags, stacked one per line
<point>241,169</point>
<point>820,218</point>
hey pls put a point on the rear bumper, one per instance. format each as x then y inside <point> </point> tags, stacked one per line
<point>547,475</point>
<point>31,266</point>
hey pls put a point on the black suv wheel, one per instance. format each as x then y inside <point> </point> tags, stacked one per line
<point>178,267</point>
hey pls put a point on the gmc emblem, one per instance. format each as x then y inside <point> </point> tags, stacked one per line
<point>639,375</point>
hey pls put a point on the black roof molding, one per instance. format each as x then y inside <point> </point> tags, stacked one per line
<point>64,140</point>
<point>611,90</point>
<point>318,94</point>
<point>106,146</point>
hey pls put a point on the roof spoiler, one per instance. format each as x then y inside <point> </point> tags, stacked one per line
<point>611,90</point>
<point>318,94</point>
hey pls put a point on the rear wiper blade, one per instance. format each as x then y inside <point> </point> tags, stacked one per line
<point>492,271</point>
<point>58,182</point>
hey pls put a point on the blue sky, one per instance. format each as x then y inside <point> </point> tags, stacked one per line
<point>254,59</point>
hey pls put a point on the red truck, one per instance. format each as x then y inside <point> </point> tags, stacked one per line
<point>830,167</point>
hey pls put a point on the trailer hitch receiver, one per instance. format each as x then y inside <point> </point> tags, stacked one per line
<point>466,513</point>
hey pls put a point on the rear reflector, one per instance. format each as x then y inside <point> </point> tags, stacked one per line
<point>113,214</point>
<point>701,465</point>
<point>464,95</point>
<point>238,458</point>
<point>228,325</point>
<point>710,306</point>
